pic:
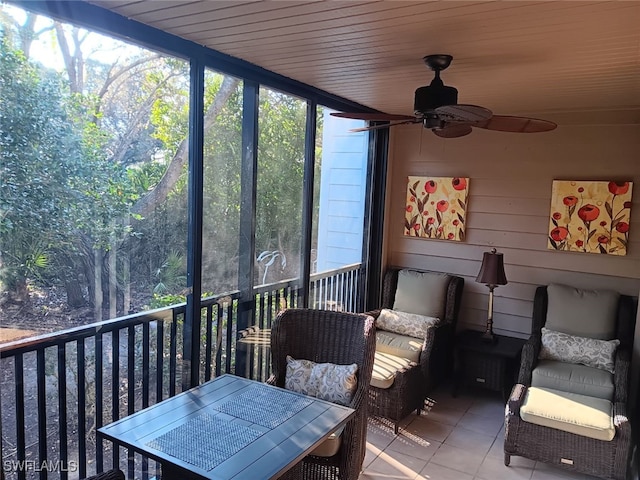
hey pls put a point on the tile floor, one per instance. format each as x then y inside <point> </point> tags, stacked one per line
<point>460,438</point>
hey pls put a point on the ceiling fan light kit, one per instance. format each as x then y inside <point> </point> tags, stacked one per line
<point>436,107</point>
<point>435,94</point>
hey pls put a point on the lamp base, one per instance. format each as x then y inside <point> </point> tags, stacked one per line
<point>489,337</point>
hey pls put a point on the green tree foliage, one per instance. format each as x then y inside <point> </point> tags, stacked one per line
<point>100,187</point>
<point>280,176</point>
<point>221,216</point>
<point>36,160</point>
<point>83,149</point>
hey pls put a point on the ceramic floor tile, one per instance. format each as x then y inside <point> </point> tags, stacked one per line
<point>493,468</point>
<point>433,471</point>
<point>379,435</point>
<point>373,476</point>
<point>371,454</point>
<point>458,459</point>
<point>546,471</point>
<point>415,446</point>
<point>452,434</point>
<point>481,424</point>
<point>488,405</point>
<point>395,465</point>
<point>471,441</point>
<point>427,429</point>
<point>497,449</point>
<point>557,475</point>
<point>444,414</point>
<point>446,400</point>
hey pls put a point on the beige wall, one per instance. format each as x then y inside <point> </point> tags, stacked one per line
<point>508,208</point>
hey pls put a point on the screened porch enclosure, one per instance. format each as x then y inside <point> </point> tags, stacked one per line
<point>162,198</point>
<point>58,389</point>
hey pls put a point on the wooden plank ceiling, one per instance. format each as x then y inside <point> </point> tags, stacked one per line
<point>513,57</point>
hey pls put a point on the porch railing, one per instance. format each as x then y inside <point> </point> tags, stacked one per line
<point>57,389</point>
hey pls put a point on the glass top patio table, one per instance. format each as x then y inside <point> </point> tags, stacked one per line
<point>229,428</point>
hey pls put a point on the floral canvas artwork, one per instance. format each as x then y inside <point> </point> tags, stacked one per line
<point>590,217</point>
<point>436,207</point>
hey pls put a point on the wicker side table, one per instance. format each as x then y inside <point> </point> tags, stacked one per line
<point>488,365</point>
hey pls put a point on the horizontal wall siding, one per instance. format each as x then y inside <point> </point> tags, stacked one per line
<point>509,200</point>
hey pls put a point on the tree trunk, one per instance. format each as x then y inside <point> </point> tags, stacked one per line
<point>126,276</point>
<point>21,292</point>
<point>75,298</point>
<point>159,194</point>
<point>27,33</point>
<point>97,285</point>
<point>69,61</point>
<point>72,284</point>
<point>113,286</point>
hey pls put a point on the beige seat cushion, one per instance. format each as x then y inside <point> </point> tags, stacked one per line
<point>579,414</point>
<point>330,446</point>
<point>399,345</point>
<point>385,367</point>
<point>573,378</point>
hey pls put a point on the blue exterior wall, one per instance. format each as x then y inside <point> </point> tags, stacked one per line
<point>342,193</point>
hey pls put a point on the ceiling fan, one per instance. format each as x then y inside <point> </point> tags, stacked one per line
<point>436,107</point>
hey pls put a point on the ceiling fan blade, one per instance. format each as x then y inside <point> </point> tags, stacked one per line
<point>378,127</point>
<point>453,130</point>
<point>372,117</point>
<point>463,113</point>
<point>506,123</point>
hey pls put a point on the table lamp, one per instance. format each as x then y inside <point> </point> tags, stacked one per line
<point>492,275</point>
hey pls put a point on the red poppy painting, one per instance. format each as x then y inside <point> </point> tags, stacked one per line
<point>436,207</point>
<point>590,217</point>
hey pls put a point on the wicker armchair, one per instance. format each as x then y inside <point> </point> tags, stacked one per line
<point>411,384</point>
<point>114,474</point>
<point>571,451</point>
<point>328,337</point>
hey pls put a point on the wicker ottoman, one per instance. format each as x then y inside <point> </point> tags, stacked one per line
<point>577,453</point>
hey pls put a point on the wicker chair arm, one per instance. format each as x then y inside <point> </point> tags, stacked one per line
<point>621,374</point>
<point>359,399</point>
<point>528,359</point>
<point>427,347</point>
<point>374,313</point>
<point>620,418</point>
<point>516,398</point>
<point>623,439</point>
<point>401,377</point>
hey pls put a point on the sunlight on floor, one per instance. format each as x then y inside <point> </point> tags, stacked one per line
<point>457,438</point>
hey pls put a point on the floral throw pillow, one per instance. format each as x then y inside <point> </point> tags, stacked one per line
<point>404,323</point>
<point>327,381</point>
<point>572,349</point>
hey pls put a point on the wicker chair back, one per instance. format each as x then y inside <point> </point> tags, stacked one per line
<point>329,337</point>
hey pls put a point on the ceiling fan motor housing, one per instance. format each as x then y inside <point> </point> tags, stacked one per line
<point>434,96</point>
